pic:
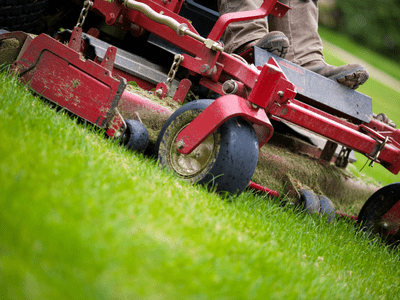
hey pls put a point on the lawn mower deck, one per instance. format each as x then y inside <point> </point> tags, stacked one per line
<point>215,140</point>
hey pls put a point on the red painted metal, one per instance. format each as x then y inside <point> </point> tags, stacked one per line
<point>263,189</point>
<point>88,89</point>
<point>392,219</point>
<point>161,90</point>
<point>111,10</point>
<point>215,68</point>
<point>229,107</point>
<point>116,14</point>
<point>75,43</point>
<point>109,59</point>
<point>335,130</point>
<point>343,215</point>
<point>182,91</point>
<point>199,60</point>
<point>279,88</point>
<point>276,8</point>
<point>213,116</point>
<point>58,73</point>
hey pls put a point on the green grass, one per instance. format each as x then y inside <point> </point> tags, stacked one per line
<point>82,218</point>
<point>384,99</point>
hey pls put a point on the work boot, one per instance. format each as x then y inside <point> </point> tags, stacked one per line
<point>240,36</point>
<point>351,75</point>
<point>275,42</point>
<point>300,25</point>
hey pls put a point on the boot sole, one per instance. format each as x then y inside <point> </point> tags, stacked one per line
<point>351,78</point>
<point>277,45</point>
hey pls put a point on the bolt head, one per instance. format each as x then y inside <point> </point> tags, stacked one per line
<point>204,68</point>
<point>159,92</point>
<point>180,145</point>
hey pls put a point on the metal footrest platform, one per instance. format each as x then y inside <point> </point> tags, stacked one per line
<point>321,92</point>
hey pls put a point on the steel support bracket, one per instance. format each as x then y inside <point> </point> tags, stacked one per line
<point>268,7</point>
<point>57,73</point>
<point>280,89</point>
<point>215,115</point>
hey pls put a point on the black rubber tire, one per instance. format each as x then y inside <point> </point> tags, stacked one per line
<point>327,208</point>
<point>309,201</point>
<point>21,15</point>
<point>136,137</point>
<point>226,160</point>
<point>373,211</point>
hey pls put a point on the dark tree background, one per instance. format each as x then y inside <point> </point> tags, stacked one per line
<point>373,23</point>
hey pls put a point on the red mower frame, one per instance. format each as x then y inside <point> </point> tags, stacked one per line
<point>378,141</point>
<point>260,94</point>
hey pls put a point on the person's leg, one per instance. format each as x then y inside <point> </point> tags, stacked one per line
<point>300,25</point>
<point>241,35</point>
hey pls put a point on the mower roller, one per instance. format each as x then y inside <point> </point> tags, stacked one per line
<point>214,141</point>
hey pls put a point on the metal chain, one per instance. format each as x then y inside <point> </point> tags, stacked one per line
<point>82,17</point>
<point>174,68</point>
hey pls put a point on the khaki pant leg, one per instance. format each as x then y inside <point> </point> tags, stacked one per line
<point>300,25</point>
<point>240,33</point>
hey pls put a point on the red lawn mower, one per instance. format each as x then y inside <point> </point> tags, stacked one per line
<point>216,140</point>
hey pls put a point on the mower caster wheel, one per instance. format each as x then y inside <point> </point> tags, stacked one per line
<point>136,137</point>
<point>381,213</point>
<point>225,160</point>
<point>309,201</point>
<point>327,208</point>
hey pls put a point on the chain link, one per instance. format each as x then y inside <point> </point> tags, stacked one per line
<point>82,17</point>
<point>174,68</point>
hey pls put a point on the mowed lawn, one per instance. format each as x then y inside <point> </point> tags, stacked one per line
<point>82,218</point>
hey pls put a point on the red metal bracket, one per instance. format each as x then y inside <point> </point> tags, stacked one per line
<point>161,90</point>
<point>263,189</point>
<point>269,6</point>
<point>109,59</point>
<point>58,73</point>
<point>182,91</point>
<point>173,5</point>
<point>215,115</point>
<point>110,9</point>
<point>75,42</point>
<point>335,129</point>
<point>279,90</point>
